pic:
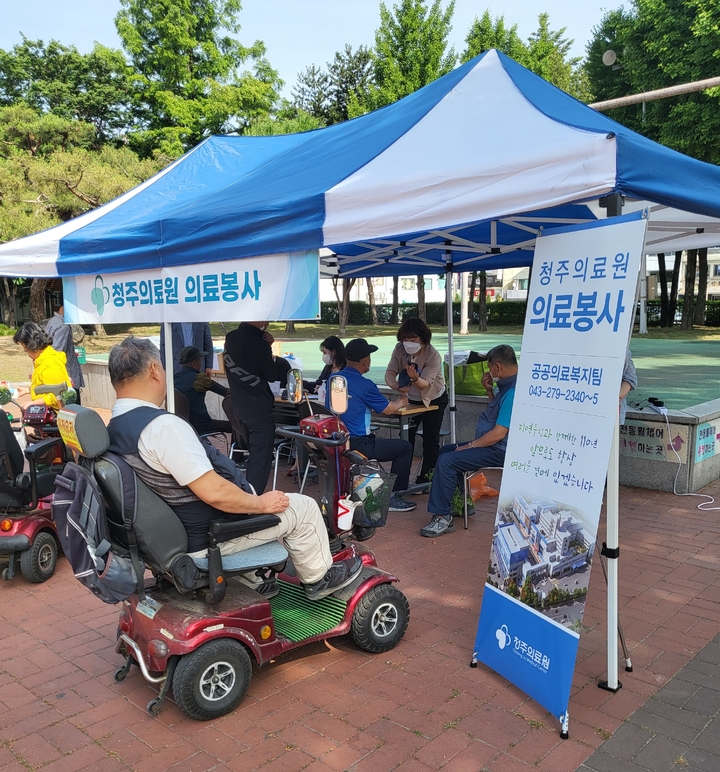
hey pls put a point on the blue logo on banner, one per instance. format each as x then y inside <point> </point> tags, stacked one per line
<point>533,652</point>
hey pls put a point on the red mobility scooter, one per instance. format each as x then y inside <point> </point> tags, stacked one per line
<point>27,531</point>
<point>198,628</point>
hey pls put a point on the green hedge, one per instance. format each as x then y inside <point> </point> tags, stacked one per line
<point>712,313</point>
<point>499,312</point>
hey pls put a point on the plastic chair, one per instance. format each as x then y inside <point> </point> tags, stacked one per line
<point>182,409</point>
<point>467,476</point>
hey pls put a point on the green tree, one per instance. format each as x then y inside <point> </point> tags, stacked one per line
<point>188,71</point>
<point>486,33</point>
<point>411,49</point>
<point>662,43</point>
<point>548,57</point>
<point>93,88</point>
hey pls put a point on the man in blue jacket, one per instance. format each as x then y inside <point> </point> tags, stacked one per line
<point>488,447</point>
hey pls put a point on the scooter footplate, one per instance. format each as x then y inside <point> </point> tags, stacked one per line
<point>298,618</point>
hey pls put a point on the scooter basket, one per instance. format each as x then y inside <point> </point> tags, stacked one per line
<point>372,486</point>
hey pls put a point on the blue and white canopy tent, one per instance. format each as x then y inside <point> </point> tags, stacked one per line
<point>461,175</point>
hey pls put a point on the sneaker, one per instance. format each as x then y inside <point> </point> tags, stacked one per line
<point>339,575</point>
<point>438,526</point>
<point>398,504</point>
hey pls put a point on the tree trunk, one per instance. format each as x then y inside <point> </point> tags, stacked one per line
<point>343,303</point>
<point>289,328</point>
<point>664,301</point>
<point>394,312</point>
<point>10,289</point>
<point>100,330</point>
<point>674,283</point>
<point>482,303</point>
<point>421,298</point>
<point>371,302</point>
<point>688,312</point>
<point>702,287</point>
<point>37,299</point>
<point>473,284</point>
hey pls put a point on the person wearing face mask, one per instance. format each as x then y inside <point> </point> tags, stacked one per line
<point>488,447</point>
<point>364,397</point>
<point>333,357</point>
<point>250,367</point>
<point>415,369</point>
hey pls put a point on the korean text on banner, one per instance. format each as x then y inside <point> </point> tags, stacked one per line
<point>262,288</point>
<point>577,328</point>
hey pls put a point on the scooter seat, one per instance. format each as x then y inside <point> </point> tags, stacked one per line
<point>269,554</point>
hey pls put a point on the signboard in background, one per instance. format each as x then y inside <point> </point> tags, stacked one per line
<point>276,287</point>
<point>706,442</point>
<point>580,312</point>
<point>652,441</point>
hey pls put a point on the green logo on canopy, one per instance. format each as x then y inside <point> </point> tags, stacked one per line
<point>100,295</point>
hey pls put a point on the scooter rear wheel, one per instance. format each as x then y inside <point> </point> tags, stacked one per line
<point>380,619</point>
<point>212,680</point>
<point>38,562</point>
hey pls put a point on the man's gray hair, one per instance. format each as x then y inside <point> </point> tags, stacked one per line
<point>502,355</point>
<point>131,358</point>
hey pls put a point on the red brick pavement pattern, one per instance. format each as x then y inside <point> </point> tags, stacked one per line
<point>332,707</point>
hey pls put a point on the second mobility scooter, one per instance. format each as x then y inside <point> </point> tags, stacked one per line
<point>27,531</point>
<point>198,628</point>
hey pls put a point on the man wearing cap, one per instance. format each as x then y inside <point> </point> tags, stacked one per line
<point>194,385</point>
<point>188,334</point>
<point>364,398</point>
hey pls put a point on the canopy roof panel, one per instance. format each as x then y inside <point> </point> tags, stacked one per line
<point>465,171</point>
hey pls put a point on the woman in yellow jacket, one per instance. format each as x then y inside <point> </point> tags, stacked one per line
<point>48,365</point>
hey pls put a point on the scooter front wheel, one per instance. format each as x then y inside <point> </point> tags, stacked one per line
<point>38,562</point>
<point>212,680</point>
<point>380,619</point>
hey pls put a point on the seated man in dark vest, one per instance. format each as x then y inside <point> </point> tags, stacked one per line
<point>488,447</point>
<point>168,456</point>
<point>194,385</point>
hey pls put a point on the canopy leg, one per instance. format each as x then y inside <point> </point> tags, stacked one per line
<point>451,351</point>
<point>169,379</point>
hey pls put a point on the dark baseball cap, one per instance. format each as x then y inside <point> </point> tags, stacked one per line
<point>190,354</point>
<point>357,349</point>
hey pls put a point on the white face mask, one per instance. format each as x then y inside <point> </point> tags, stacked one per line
<point>327,359</point>
<point>411,347</point>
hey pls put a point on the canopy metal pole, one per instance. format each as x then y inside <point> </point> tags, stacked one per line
<point>463,304</point>
<point>643,330</point>
<point>169,379</point>
<point>611,550</point>
<point>451,351</point>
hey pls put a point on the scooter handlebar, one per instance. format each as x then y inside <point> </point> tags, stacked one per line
<point>355,456</point>
<point>336,441</point>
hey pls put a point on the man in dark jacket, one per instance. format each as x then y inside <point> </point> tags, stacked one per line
<point>488,447</point>
<point>62,340</point>
<point>250,367</point>
<point>194,385</point>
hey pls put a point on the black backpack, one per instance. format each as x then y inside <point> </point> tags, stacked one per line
<point>81,519</point>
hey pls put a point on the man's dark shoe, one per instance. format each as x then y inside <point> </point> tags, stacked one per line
<point>339,575</point>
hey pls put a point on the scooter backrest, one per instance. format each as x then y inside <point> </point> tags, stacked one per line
<point>160,535</point>
<point>83,430</point>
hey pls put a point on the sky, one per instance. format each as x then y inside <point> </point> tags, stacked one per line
<point>297,33</point>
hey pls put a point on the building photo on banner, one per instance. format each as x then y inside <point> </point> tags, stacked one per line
<point>580,314</point>
<point>249,289</point>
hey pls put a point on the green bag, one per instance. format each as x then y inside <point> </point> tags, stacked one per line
<point>468,378</point>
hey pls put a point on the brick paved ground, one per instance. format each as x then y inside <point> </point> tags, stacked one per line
<point>332,707</point>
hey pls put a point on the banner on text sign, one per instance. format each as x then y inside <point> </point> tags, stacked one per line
<point>252,289</point>
<point>577,328</point>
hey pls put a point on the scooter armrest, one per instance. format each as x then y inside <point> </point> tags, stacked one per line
<point>224,530</point>
<point>39,449</point>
